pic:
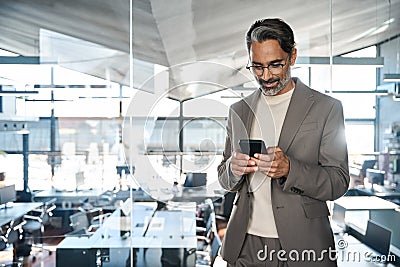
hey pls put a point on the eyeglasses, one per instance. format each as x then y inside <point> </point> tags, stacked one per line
<point>273,68</point>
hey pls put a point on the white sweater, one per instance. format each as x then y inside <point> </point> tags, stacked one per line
<point>267,125</point>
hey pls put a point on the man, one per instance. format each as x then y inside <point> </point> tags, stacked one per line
<point>280,216</point>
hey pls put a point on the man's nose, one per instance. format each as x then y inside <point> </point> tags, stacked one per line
<point>266,74</point>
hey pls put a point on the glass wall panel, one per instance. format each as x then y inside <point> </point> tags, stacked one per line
<point>74,61</point>
<point>357,105</point>
<point>360,138</point>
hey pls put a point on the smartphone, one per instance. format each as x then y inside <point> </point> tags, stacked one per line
<point>252,146</point>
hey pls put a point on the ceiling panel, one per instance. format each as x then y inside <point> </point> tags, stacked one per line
<point>175,31</point>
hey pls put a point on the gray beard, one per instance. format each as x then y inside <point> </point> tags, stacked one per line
<point>279,87</point>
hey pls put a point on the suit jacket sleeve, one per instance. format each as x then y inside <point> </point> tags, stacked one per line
<point>329,178</point>
<point>226,178</point>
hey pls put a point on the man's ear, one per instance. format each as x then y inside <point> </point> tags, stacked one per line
<point>293,57</point>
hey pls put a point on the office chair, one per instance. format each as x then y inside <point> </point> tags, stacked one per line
<point>208,256</point>
<point>367,164</point>
<point>10,234</point>
<point>217,222</point>
<point>82,225</point>
<point>36,221</point>
<point>207,246</point>
<point>205,235</point>
<point>204,210</point>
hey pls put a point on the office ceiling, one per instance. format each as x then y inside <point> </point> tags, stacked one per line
<point>93,36</point>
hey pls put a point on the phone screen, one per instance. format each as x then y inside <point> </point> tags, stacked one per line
<point>252,146</point>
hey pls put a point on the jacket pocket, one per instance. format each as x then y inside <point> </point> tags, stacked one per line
<point>309,126</point>
<point>315,209</point>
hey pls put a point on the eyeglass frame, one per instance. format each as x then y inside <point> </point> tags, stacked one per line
<point>268,67</point>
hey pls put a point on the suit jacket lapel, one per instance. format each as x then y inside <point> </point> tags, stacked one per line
<point>300,104</point>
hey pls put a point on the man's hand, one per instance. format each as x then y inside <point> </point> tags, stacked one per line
<point>242,164</point>
<point>274,164</point>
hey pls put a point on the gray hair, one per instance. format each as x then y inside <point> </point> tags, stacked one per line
<point>271,29</point>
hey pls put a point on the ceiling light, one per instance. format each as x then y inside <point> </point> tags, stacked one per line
<point>338,60</point>
<point>391,77</point>
<point>389,21</point>
<point>375,92</point>
<point>380,29</point>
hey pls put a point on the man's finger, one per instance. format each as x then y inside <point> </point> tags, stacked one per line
<point>242,163</point>
<point>240,155</point>
<point>264,157</point>
<point>271,149</point>
<point>243,170</point>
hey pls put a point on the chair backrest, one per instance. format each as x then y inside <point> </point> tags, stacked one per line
<point>378,237</point>
<point>215,245</point>
<point>48,207</point>
<point>3,243</point>
<point>206,210</point>
<point>211,224</point>
<point>79,221</point>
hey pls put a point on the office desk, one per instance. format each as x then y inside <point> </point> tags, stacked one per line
<point>154,234</point>
<point>17,210</point>
<point>358,204</point>
<point>150,229</point>
<point>172,229</point>
<point>137,195</point>
<point>106,241</point>
<point>67,198</point>
<point>380,191</point>
<point>197,195</point>
<point>361,209</point>
<point>67,202</point>
<point>108,235</point>
<point>364,203</point>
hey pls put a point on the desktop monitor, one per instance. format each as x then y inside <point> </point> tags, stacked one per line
<point>338,216</point>
<point>367,164</point>
<point>123,169</point>
<point>79,179</point>
<point>389,219</point>
<point>395,166</point>
<point>195,179</point>
<point>378,238</point>
<point>375,176</point>
<point>7,194</point>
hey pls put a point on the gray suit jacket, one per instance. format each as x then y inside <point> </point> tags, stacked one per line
<point>313,138</point>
